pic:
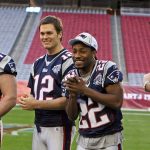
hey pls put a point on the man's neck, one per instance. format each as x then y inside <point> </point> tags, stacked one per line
<point>88,70</point>
<point>55,50</point>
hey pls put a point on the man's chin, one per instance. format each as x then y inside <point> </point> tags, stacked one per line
<point>78,66</point>
<point>47,47</point>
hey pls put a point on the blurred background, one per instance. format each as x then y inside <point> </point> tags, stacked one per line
<point>121,27</point>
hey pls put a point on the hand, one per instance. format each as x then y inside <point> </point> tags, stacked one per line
<point>75,85</point>
<point>28,102</point>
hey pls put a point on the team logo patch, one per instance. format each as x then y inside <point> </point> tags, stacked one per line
<point>12,67</point>
<point>98,80</point>
<point>56,69</point>
<point>114,76</point>
<point>83,36</point>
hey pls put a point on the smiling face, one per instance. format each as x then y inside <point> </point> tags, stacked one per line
<point>51,40</point>
<point>83,56</point>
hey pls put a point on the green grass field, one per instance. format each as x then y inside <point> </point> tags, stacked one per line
<point>18,130</point>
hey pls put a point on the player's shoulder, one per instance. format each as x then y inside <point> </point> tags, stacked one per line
<point>112,73</point>
<point>66,54</point>
<point>106,64</point>
<point>7,64</point>
<point>110,63</point>
<point>39,60</point>
<point>4,57</point>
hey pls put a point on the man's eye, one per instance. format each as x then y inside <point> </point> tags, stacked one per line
<point>49,33</point>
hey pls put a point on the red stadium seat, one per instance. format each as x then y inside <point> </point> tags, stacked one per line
<point>96,24</point>
<point>136,40</point>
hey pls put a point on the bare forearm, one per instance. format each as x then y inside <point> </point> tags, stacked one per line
<point>110,100</point>
<point>6,105</point>
<point>57,104</point>
<point>29,103</point>
<point>72,109</point>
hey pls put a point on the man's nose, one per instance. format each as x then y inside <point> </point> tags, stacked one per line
<point>45,36</point>
<point>77,54</point>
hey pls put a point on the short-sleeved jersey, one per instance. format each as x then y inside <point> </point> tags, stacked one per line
<point>45,83</point>
<point>7,65</point>
<point>96,119</point>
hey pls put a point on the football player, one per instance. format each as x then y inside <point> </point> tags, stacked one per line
<point>53,130</point>
<point>8,87</point>
<point>94,93</point>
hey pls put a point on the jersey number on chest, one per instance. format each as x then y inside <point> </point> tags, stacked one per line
<point>89,117</point>
<point>46,86</point>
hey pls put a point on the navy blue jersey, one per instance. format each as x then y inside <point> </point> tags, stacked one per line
<point>45,83</point>
<point>7,65</point>
<point>96,119</point>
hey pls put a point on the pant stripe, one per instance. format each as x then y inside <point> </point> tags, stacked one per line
<point>119,147</point>
<point>67,138</point>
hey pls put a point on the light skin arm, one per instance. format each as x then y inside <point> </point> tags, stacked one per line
<point>30,103</point>
<point>8,88</point>
<point>113,97</point>
<point>146,81</point>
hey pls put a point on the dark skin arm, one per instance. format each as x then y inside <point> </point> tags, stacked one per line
<point>113,98</point>
<point>71,105</point>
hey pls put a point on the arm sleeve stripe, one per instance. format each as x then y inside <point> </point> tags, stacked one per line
<point>4,62</point>
<point>66,65</point>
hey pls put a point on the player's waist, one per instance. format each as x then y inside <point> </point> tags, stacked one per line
<point>55,124</point>
<point>53,121</point>
<point>100,133</point>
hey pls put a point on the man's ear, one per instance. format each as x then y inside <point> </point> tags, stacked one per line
<point>60,35</point>
<point>94,54</point>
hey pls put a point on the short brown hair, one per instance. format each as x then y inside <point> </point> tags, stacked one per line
<point>56,21</point>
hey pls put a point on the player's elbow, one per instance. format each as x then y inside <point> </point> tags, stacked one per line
<point>118,103</point>
<point>12,101</point>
